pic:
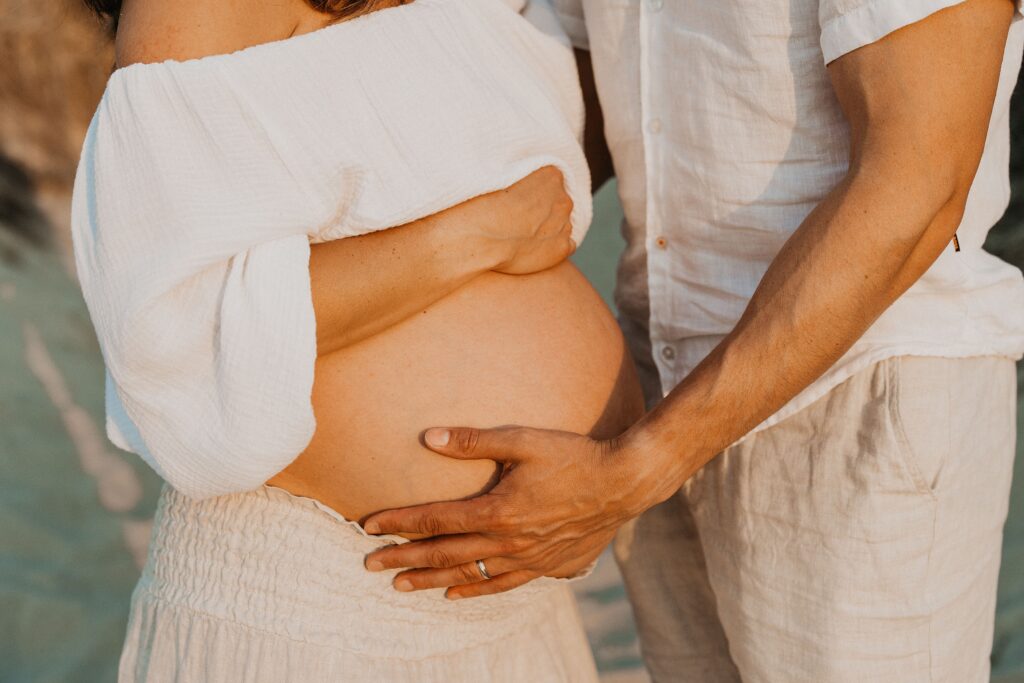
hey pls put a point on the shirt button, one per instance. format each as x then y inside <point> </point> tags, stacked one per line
<point>668,353</point>
<point>656,5</point>
<point>661,242</point>
<point>654,126</point>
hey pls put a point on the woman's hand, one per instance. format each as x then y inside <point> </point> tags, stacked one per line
<point>528,222</point>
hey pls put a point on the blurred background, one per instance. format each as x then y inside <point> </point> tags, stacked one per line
<point>74,511</point>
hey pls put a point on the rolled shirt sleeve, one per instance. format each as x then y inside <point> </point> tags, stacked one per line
<point>570,13</point>
<point>850,24</point>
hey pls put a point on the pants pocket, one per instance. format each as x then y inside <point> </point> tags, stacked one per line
<point>920,400</point>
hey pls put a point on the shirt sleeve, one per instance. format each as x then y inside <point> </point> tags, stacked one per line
<point>192,232</point>
<point>847,25</point>
<point>570,13</point>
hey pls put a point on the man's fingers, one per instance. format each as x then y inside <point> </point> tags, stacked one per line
<point>426,579</point>
<point>499,584</point>
<point>434,519</point>
<point>504,444</point>
<point>439,553</point>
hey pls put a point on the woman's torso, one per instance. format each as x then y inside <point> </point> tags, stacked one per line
<point>240,160</point>
<point>540,350</point>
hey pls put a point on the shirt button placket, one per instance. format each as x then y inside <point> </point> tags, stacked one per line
<point>657,245</point>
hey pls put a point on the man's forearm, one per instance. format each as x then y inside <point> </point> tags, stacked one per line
<point>867,242</point>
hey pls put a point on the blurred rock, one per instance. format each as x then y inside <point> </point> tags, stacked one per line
<point>56,58</point>
<point>19,212</point>
<point>56,61</point>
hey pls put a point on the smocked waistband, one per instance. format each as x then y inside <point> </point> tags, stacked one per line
<point>291,566</point>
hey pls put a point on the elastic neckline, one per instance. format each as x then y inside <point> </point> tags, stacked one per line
<point>270,45</point>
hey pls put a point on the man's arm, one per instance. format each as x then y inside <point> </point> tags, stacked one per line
<point>918,104</point>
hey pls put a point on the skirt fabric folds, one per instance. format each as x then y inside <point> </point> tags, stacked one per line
<point>265,586</point>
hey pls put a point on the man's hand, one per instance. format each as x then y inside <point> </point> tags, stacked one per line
<point>529,222</point>
<point>560,500</point>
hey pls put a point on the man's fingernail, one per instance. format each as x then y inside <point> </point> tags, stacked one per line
<point>404,585</point>
<point>438,438</point>
<point>453,596</point>
<point>372,528</point>
<point>374,565</point>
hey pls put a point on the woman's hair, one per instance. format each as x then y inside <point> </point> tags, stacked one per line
<point>339,9</point>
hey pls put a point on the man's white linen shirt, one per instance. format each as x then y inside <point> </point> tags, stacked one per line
<point>726,132</point>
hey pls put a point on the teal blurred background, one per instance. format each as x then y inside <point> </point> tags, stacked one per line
<point>75,512</point>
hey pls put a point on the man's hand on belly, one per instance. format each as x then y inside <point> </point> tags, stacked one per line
<point>559,503</point>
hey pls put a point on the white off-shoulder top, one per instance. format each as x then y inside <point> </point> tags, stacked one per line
<point>202,184</point>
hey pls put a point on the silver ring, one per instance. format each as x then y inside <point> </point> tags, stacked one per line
<point>483,569</point>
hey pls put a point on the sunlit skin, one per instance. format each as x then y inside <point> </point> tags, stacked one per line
<point>470,315</point>
<point>918,103</point>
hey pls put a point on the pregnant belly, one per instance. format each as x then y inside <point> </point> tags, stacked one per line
<point>540,350</point>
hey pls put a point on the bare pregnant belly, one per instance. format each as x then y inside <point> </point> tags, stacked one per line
<point>540,350</point>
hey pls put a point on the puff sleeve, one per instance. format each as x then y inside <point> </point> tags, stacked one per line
<point>192,235</point>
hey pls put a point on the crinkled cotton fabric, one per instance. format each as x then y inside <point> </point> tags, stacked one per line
<point>268,587</point>
<point>203,183</point>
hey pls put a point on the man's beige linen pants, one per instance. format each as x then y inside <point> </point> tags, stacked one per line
<point>858,540</point>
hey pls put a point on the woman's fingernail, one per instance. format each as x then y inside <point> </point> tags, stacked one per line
<point>374,565</point>
<point>453,596</point>
<point>372,528</point>
<point>403,585</point>
<point>438,438</point>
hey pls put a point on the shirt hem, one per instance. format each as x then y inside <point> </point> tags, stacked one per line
<point>840,374</point>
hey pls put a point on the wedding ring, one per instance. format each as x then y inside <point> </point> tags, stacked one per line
<point>483,569</point>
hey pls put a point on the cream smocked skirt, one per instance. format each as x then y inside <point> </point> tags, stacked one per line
<point>265,586</point>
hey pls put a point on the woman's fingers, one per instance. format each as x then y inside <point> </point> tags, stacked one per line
<point>538,213</point>
<point>499,584</point>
